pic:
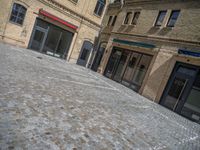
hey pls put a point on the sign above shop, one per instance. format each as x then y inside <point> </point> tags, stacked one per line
<point>189,52</point>
<point>52,17</point>
<point>139,44</point>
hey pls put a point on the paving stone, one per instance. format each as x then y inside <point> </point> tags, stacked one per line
<point>48,103</point>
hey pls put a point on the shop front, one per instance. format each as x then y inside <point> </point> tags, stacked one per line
<point>50,39</point>
<point>182,93</point>
<point>128,67</point>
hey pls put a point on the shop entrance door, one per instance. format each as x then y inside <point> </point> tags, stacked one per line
<point>38,39</point>
<point>182,92</point>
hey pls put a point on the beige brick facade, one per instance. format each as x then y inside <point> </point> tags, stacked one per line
<point>80,14</point>
<point>167,40</point>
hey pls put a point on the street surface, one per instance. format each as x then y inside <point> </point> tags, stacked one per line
<point>48,103</point>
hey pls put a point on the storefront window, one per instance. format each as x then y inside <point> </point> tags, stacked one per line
<point>128,67</point>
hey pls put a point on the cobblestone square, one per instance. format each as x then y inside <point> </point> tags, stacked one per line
<point>48,103</point>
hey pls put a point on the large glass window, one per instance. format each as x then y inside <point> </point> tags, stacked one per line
<point>173,18</point>
<point>128,67</point>
<point>99,7</point>
<point>160,18</point>
<point>18,14</point>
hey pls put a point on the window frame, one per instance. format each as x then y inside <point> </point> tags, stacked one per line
<point>135,17</point>
<point>99,4</point>
<point>109,20</point>
<point>114,20</point>
<point>18,12</point>
<point>158,16</point>
<point>126,22</point>
<point>171,15</point>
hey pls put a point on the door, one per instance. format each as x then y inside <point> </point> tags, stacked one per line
<point>85,53</point>
<point>182,92</point>
<point>113,63</point>
<point>130,69</point>
<point>121,66</point>
<point>98,58</point>
<point>191,106</point>
<point>38,39</point>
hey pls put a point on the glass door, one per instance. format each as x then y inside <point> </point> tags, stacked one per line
<point>178,88</point>
<point>130,69</point>
<point>140,72</point>
<point>113,62</point>
<point>175,92</point>
<point>38,39</point>
<point>191,107</point>
<point>121,66</point>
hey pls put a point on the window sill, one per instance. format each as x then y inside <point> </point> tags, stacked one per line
<point>97,15</point>
<point>20,25</point>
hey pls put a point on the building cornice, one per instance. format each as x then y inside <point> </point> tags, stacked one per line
<point>65,10</point>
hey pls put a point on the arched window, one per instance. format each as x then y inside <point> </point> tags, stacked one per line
<point>18,14</point>
<point>99,7</point>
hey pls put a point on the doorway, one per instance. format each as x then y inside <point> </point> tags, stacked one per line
<point>182,93</point>
<point>50,39</point>
<point>85,53</point>
<point>98,58</point>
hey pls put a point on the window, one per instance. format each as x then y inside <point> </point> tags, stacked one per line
<point>135,18</point>
<point>160,18</point>
<point>173,18</point>
<point>109,20</point>
<point>128,16</point>
<point>99,7</point>
<point>75,1</point>
<point>18,13</point>
<point>114,20</point>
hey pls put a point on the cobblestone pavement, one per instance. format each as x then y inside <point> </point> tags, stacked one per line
<point>47,103</point>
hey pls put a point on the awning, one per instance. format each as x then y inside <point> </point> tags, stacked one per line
<point>131,43</point>
<point>52,17</point>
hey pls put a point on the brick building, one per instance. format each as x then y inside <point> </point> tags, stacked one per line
<point>65,29</point>
<point>153,47</point>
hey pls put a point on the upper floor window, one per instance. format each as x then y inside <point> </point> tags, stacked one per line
<point>128,17</point>
<point>99,7</point>
<point>135,18</point>
<point>114,20</point>
<point>75,1</point>
<point>109,20</point>
<point>18,14</point>
<point>173,18</point>
<point>160,18</point>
